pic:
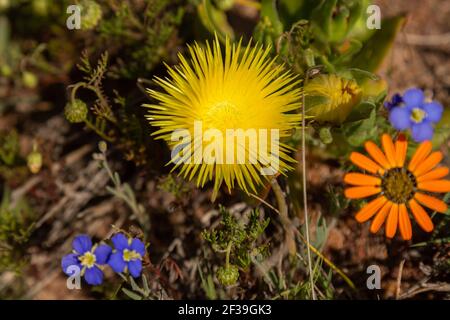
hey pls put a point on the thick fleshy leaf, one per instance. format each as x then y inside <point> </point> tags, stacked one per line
<point>135,268</point>
<point>138,246</point>
<point>422,131</point>
<point>377,45</point>
<point>116,262</point>
<point>102,253</point>
<point>94,276</point>
<point>70,260</point>
<point>120,242</point>
<point>82,243</point>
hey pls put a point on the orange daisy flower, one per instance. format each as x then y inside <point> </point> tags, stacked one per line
<point>400,189</point>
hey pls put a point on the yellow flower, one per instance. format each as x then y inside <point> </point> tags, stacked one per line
<point>238,91</point>
<point>330,98</point>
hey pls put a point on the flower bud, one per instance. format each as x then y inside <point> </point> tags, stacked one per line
<point>29,80</point>
<point>228,275</point>
<point>91,14</point>
<point>330,98</point>
<point>225,4</point>
<point>76,111</point>
<point>5,70</point>
<point>4,5</point>
<point>34,161</point>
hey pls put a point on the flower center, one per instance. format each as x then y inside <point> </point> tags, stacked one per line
<point>417,115</point>
<point>129,255</point>
<point>87,260</point>
<point>349,92</point>
<point>223,115</point>
<point>398,185</point>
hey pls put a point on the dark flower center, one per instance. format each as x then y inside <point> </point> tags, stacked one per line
<point>398,185</point>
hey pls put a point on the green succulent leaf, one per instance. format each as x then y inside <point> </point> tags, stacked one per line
<point>378,45</point>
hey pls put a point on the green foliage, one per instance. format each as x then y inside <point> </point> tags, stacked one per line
<point>239,242</point>
<point>144,31</point>
<point>16,226</point>
<point>122,190</point>
<point>9,147</point>
<point>329,33</point>
<point>113,119</point>
<point>173,185</point>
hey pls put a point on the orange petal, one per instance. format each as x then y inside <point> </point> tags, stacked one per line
<point>435,174</point>
<point>364,162</point>
<point>369,210</point>
<point>422,218</point>
<point>428,164</point>
<point>431,202</point>
<point>392,220</point>
<point>421,153</point>
<point>377,154</point>
<point>404,223</point>
<point>401,145</point>
<point>359,179</point>
<point>361,192</point>
<point>389,148</point>
<point>380,217</point>
<point>441,186</point>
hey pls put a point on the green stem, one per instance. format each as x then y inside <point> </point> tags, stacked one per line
<point>283,211</point>
<point>227,257</point>
<point>101,134</point>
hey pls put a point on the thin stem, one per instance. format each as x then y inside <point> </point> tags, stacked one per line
<point>305,200</point>
<point>283,211</point>
<point>101,134</point>
<point>227,257</point>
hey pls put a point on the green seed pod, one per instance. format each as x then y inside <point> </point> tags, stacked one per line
<point>40,7</point>
<point>228,275</point>
<point>5,70</point>
<point>4,5</point>
<point>29,80</point>
<point>91,14</point>
<point>225,4</point>
<point>76,111</point>
<point>34,161</point>
<point>102,146</point>
<point>325,135</point>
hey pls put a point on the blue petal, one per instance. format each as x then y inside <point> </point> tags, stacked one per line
<point>400,118</point>
<point>138,246</point>
<point>434,111</point>
<point>116,262</point>
<point>135,267</point>
<point>422,131</point>
<point>102,253</point>
<point>82,244</point>
<point>93,276</point>
<point>120,242</point>
<point>413,98</point>
<point>70,260</point>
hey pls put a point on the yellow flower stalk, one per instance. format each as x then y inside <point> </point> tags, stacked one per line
<point>330,98</point>
<point>227,107</point>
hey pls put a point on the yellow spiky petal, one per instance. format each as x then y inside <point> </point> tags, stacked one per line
<point>240,88</point>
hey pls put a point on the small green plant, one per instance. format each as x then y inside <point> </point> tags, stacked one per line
<point>238,241</point>
<point>122,190</point>
<point>16,226</point>
<point>9,147</point>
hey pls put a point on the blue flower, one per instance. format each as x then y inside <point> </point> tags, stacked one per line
<point>87,258</point>
<point>127,255</point>
<point>396,100</point>
<point>414,113</point>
